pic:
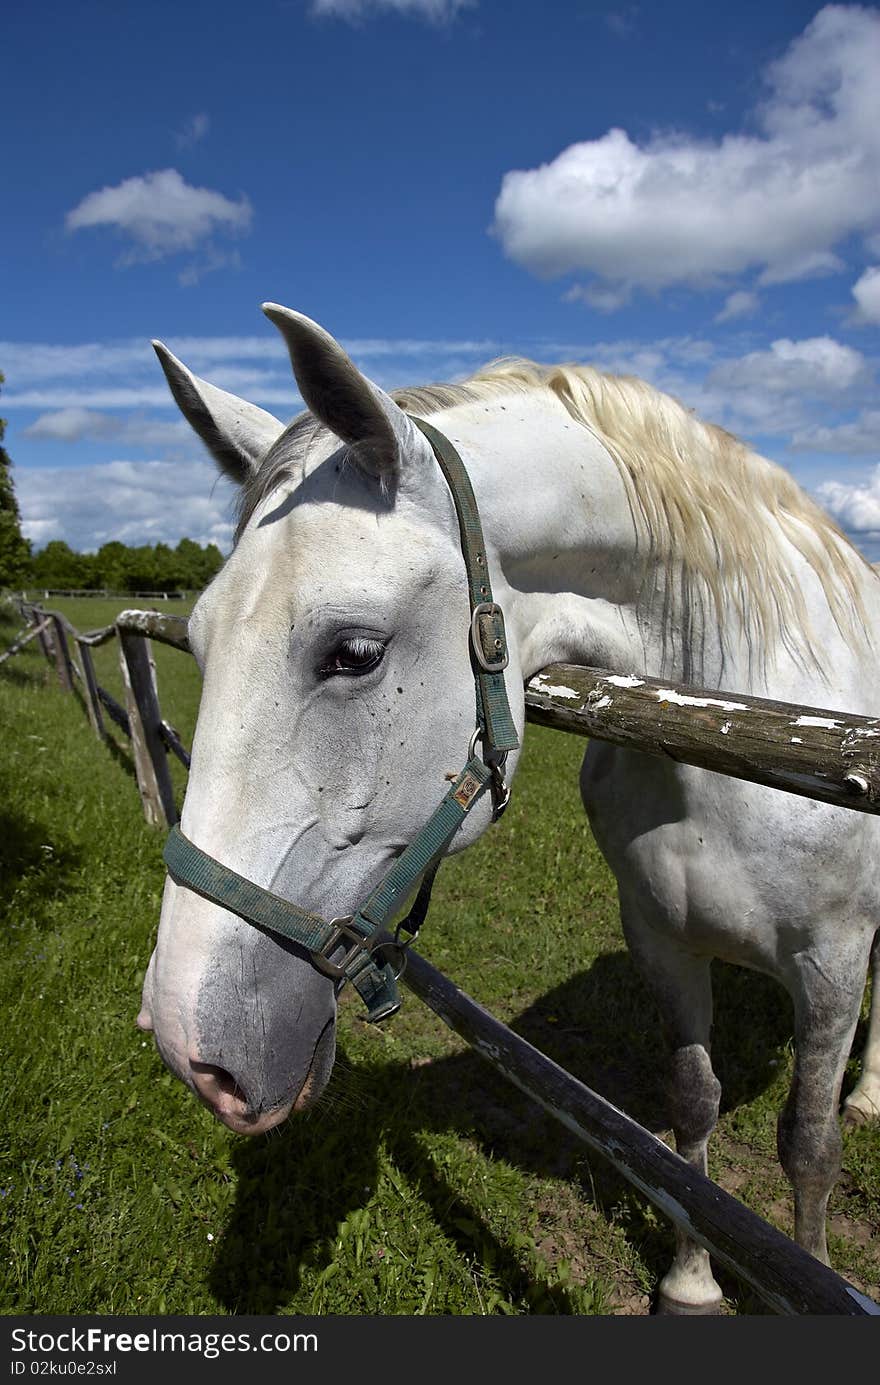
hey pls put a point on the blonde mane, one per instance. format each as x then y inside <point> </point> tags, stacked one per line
<point>702,501</point>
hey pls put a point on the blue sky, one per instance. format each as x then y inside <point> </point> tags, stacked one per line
<point>686,192</point>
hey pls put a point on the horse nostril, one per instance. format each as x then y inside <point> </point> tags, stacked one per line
<point>219,1088</point>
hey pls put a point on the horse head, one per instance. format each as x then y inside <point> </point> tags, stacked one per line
<point>337,704</point>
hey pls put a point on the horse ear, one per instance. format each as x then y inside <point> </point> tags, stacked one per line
<point>343,399</point>
<point>236,433</point>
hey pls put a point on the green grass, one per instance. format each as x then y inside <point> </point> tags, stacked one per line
<point>423,1183</point>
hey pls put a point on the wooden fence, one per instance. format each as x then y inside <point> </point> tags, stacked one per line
<point>820,753</point>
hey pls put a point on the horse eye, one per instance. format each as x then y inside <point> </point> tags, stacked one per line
<point>353,656</point>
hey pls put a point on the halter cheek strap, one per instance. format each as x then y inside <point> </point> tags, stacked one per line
<point>352,948</point>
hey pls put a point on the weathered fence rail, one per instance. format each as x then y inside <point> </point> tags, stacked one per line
<point>819,753</point>
<point>24,638</point>
<point>823,754</point>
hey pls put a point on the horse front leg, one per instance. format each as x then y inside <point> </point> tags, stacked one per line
<point>682,986</point>
<point>827,998</point>
<point>863,1102</point>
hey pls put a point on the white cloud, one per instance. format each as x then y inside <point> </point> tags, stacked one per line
<point>855,507</point>
<point>97,397</point>
<point>739,304</point>
<point>194,131</point>
<point>435,11</point>
<point>857,436</point>
<point>26,363</point>
<point>161,214</point>
<point>76,424</point>
<point>814,366</point>
<point>678,209</point>
<point>72,425</point>
<point>866,292</point>
<point>134,502</point>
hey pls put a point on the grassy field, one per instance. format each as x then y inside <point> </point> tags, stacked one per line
<point>423,1183</point>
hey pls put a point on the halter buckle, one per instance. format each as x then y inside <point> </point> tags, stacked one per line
<point>342,932</point>
<point>489,663</point>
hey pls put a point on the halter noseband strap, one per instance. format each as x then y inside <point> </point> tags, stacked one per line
<point>350,949</point>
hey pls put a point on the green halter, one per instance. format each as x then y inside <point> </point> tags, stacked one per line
<point>358,936</point>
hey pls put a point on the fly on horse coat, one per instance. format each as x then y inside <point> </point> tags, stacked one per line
<point>341,645</point>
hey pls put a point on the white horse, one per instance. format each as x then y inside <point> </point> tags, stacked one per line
<point>338,697</point>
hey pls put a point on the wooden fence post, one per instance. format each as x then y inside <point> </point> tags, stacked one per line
<point>90,683</point>
<point>145,720</point>
<point>62,655</point>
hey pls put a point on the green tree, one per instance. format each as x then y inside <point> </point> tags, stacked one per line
<point>57,565</point>
<point>111,565</point>
<point>189,558</point>
<point>212,561</point>
<point>15,550</point>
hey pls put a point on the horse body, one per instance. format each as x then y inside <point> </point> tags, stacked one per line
<point>312,765</point>
<point>709,867</point>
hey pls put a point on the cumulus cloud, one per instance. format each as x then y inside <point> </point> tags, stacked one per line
<point>856,436</point>
<point>435,11</point>
<point>72,425</point>
<point>161,214</point>
<point>866,292</point>
<point>678,209</point>
<point>855,507</point>
<point>792,386</point>
<point>816,365</point>
<point>76,424</point>
<point>134,502</point>
<point>98,396</point>
<point>739,304</point>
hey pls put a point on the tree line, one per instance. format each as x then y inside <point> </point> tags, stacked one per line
<point>115,567</point>
<point>118,567</point>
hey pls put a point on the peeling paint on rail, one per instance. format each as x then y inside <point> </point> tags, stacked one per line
<point>684,700</point>
<point>552,689</point>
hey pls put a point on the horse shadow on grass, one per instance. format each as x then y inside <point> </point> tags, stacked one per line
<point>35,861</point>
<point>26,672</point>
<point>299,1184</point>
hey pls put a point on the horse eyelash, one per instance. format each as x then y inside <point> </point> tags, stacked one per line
<point>359,647</point>
<point>356,647</point>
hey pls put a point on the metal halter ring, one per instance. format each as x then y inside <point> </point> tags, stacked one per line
<point>342,932</point>
<point>500,791</point>
<point>496,762</point>
<point>400,945</point>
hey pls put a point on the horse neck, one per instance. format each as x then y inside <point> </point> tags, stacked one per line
<point>581,583</point>
<point>570,567</point>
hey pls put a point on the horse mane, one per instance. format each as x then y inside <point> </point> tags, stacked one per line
<point>703,502</point>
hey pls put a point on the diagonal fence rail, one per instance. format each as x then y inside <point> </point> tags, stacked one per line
<point>824,754</point>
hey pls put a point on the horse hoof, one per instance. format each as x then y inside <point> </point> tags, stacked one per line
<point>675,1308</point>
<point>854,1116</point>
